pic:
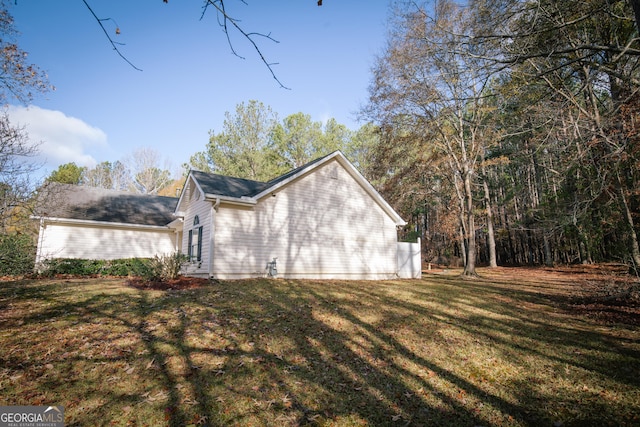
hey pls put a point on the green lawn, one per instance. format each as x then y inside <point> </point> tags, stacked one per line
<point>516,347</point>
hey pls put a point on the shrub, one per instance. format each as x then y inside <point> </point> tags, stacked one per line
<point>126,267</point>
<point>72,266</point>
<point>90,267</point>
<point>17,254</point>
<point>165,267</point>
<point>411,236</point>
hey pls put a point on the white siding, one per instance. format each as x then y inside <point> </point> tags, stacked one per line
<point>196,205</point>
<point>61,240</point>
<point>324,225</point>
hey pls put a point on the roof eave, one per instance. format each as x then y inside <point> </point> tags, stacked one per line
<point>243,201</point>
<point>176,211</point>
<point>99,223</point>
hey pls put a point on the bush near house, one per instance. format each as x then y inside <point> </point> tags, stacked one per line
<point>160,267</point>
<point>91,267</point>
<point>17,254</point>
<point>165,267</point>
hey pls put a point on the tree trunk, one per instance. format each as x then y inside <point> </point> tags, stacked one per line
<point>548,260</point>
<point>583,250</point>
<point>470,266</point>
<point>636,11</point>
<point>490,234</point>
<point>463,245</point>
<point>633,237</point>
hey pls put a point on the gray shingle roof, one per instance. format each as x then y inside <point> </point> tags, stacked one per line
<point>97,204</point>
<point>229,186</point>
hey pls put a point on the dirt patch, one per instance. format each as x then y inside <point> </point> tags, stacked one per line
<point>607,300</point>
<point>604,292</point>
<point>180,283</point>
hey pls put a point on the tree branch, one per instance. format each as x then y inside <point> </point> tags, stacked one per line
<point>106,33</point>
<point>224,19</point>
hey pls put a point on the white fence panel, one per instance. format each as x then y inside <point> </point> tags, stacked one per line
<point>409,260</point>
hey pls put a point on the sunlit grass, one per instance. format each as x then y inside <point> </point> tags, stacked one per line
<point>503,350</point>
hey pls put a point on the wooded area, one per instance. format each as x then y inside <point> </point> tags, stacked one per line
<point>512,125</point>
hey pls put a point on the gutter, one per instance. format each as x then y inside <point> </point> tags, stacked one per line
<point>242,201</point>
<point>44,219</point>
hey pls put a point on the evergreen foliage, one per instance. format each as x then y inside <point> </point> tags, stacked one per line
<point>17,254</point>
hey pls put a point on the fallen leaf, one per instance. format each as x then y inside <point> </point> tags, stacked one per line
<point>200,419</point>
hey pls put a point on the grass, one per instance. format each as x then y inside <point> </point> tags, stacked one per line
<point>516,347</point>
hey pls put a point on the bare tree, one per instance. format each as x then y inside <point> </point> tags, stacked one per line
<point>18,80</point>
<point>146,173</point>
<point>109,175</point>
<point>16,165</point>
<point>426,75</point>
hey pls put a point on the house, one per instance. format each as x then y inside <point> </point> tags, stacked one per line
<point>322,220</point>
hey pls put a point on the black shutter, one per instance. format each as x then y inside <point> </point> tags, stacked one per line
<point>199,243</point>
<point>189,251</point>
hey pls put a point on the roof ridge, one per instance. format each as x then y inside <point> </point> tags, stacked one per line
<point>227,176</point>
<point>299,168</point>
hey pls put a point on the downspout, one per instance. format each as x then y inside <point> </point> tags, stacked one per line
<point>212,228</point>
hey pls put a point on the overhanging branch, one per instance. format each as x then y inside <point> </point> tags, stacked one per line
<point>225,19</point>
<point>106,33</point>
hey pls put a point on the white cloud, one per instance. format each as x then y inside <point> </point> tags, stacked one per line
<point>62,139</point>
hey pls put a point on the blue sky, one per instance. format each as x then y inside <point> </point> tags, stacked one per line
<point>103,109</point>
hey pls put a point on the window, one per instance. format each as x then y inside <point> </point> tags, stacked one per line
<point>195,248</point>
